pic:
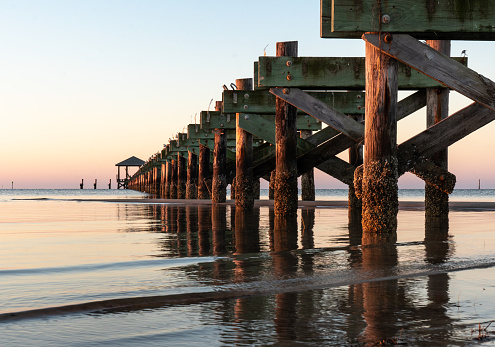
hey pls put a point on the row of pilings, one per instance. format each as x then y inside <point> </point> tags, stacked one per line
<point>196,167</point>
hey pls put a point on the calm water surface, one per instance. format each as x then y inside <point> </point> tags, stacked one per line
<point>90,273</point>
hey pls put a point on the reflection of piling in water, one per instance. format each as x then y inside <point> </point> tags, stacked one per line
<point>219,227</point>
<point>307,239</point>
<point>192,230</point>
<point>307,224</point>
<point>286,317</point>
<point>204,228</point>
<point>437,246</point>
<point>438,250</point>
<point>285,232</point>
<point>381,299</point>
<point>247,237</point>
<point>172,218</point>
<point>181,231</point>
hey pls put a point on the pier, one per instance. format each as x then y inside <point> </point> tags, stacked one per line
<point>298,113</point>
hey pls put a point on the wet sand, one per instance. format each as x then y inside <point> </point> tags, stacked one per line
<point>405,205</point>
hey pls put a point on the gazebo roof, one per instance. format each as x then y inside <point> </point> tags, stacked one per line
<point>132,161</point>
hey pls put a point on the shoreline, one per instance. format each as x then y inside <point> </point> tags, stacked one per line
<point>403,205</point>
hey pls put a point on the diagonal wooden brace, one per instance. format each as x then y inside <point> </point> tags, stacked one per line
<point>321,111</point>
<point>432,174</point>
<point>436,65</point>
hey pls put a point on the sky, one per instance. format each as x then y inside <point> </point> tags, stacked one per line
<point>87,84</point>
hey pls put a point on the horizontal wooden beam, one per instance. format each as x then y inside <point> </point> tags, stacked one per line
<point>330,73</point>
<point>327,114</point>
<point>423,19</point>
<point>261,127</point>
<point>263,102</point>
<point>194,131</point>
<point>217,120</point>
<point>438,66</point>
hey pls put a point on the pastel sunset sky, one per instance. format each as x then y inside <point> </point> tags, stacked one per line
<point>87,84</point>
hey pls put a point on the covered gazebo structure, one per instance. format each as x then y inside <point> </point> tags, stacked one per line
<point>132,161</point>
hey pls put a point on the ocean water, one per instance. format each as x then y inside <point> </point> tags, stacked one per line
<point>89,273</point>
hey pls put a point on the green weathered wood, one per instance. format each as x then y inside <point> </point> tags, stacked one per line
<point>262,102</point>
<point>194,131</point>
<point>439,66</point>
<point>216,120</point>
<point>265,129</point>
<point>331,73</point>
<point>334,118</point>
<point>423,19</point>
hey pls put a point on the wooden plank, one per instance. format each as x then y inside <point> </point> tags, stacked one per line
<point>263,102</point>
<point>330,73</point>
<point>423,19</point>
<point>321,111</point>
<point>443,134</point>
<point>438,66</point>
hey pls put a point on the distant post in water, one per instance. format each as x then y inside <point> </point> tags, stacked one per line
<point>380,171</point>
<point>244,183</point>
<point>437,108</point>
<point>286,145</point>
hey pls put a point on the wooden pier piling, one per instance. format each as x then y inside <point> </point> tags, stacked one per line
<point>192,176</point>
<point>355,203</point>
<point>204,180</point>
<point>244,182</point>
<point>173,180</point>
<point>286,195</point>
<point>437,108</point>
<point>219,181</point>
<point>181,176</point>
<point>380,174</point>
<point>307,178</point>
